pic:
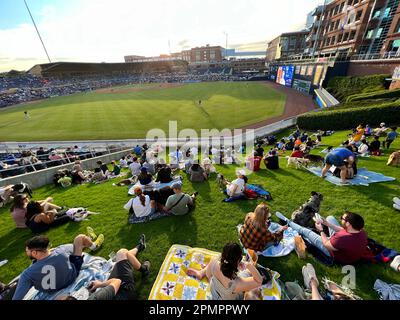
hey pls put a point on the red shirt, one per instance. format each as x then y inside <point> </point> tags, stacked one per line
<point>351,246</point>
<point>297,154</point>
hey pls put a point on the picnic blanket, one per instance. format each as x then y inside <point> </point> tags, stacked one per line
<point>364,177</point>
<point>173,283</point>
<point>155,186</point>
<point>93,268</point>
<point>155,216</point>
<point>284,247</point>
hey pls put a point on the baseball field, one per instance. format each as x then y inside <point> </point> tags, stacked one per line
<point>129,112</point>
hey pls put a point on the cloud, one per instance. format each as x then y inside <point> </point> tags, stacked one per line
<point>103,30</point>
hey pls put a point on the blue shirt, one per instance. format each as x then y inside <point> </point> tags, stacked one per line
<point>342,153</point>
<point>392,135</point>
<point>47,275</point>
<point>138,150</point>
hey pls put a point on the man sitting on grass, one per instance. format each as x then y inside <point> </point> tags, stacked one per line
<point>346,243</point>
<point>120,284</point>
<point>55,270</point>
<point>180,203</point>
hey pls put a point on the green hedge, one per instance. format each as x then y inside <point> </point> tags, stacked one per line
<point>349,118</point>
<point>383,94</point>
<point>342,87</point>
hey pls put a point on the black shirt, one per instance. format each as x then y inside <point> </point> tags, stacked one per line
<point>375,145</point>
<point>260,151</point>
<point>164,175</point>
<point>272,162</point>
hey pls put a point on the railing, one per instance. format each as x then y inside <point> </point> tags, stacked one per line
<point>376,56</point>
<point>25,165</point>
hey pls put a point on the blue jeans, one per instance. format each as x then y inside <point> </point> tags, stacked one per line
<point>312,237</point>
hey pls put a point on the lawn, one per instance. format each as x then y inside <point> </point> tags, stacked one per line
<point>213,222</point>
<point>125,115</point>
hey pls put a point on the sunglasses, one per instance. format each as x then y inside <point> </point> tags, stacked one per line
<point>343,218</point>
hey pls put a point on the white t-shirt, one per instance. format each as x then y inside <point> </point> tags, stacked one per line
<point>138,208</point>
<point>176,157</point>
<point>240,187</point>
<point>135,168</point>
<point>123,163</point>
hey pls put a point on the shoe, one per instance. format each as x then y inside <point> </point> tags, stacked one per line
<point>308,274</point>
<point>145,269</point>
<point>142,243</point>
<point>91,234</point>
<point>99,241</point>
<point>281,216</point>
<point>396,201</point>
<point>396,206</point>
<point>395,263</point>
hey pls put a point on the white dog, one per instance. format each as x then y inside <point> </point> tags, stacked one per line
<point>297,162</point>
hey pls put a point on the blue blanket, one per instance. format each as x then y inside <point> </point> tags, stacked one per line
<point>93,268</point>
<point>363,177</point>
<point>157,215</point>
<point>259,190</point>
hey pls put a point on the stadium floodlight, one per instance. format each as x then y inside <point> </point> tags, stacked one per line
<point>37,31</point>
<point>226,43</point>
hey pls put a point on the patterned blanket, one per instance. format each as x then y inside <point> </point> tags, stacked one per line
<point>173,283</point>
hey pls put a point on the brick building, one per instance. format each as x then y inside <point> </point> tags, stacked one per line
<point>287,44</point>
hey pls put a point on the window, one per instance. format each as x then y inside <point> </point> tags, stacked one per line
<point>333,40</point>
<point>340,38</point>
<point>379,33</point>
<point>376,14</point>
<point>369,33</point>
<point>359,14</point>
<point>355,2</point>
<point>352,35</point>
<point>387,12</point>
<point>398,27</point>
<point>346,36</point>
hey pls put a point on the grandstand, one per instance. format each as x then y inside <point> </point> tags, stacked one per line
<point>81,69</point>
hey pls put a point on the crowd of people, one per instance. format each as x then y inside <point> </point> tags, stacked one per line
<point>232,276</point>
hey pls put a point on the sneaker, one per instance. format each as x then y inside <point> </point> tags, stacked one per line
<point>145,269</point>
<point>281,216</point>
<point>99,241</point>
<point>396,206</point>
<point>395,263</point>
<point>308,274</point>
<point>91,234</point>
<point>396,201</point>
<point>142,243</point>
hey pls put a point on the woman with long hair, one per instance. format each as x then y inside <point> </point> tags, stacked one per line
<point>18,210</point>
<point>254,233</point>
<point>141,205</point>
<point>225,284</point>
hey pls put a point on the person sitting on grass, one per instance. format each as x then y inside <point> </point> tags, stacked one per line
<point>391,136</point>
<point>116,169</point>
<point>18,210</point>
<point>208,166</point>
<point>271,160</point>
<point>346,242</point>
<point>375,147</point>
<point>225,284</point>
<point>41,216</point>
<point>340,158</point>
<point>120,284</point>
<point>357,136</point>
<point>141,205</point>
<point>98,176</point>
<point>103,167</point>
<point>289,145</point>
<point>254,234</point>
<point>236,187</point>
<point>297,153</point>
<point>180,203</point>
<point>77,172</point>
<point>164,175</point>
<point>135,167</point>
<point>197,173</point>
<point>145,179</point>
<point>363,148</point>
<point>62,265</point>
<point>123,162</point>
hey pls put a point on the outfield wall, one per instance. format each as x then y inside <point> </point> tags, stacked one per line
<point>44,177</point>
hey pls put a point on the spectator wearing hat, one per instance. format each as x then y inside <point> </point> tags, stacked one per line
<point>180,203</point>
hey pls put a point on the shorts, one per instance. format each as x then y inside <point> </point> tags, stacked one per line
<point>77,262</point>
<point>334,160</point>
<point>123,270</point>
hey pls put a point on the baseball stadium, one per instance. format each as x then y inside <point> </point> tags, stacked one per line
<point>293,194</point>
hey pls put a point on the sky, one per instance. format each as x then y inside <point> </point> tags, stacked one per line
<point>107,30</point>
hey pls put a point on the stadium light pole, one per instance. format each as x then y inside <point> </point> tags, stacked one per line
<point>226,43</point>
<point>37,31</point>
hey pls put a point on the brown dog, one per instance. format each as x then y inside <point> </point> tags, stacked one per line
<point>394,159</point>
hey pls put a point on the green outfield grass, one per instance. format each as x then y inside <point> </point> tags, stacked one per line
<point>94,116</point>
<point>213,223</point>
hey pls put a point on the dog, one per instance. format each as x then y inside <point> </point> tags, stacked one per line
<point>21,188</point>
<point>314,159</point>
<point>305,214</point>
<point>297,162</point>
<point>394,159</point>
<point>221,182</point>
